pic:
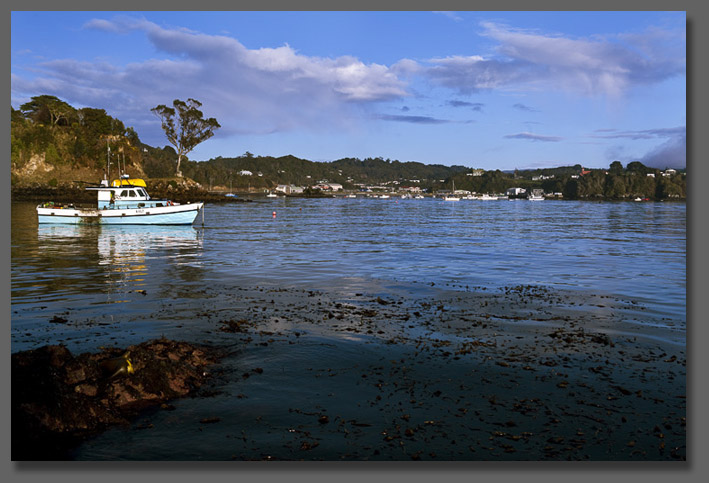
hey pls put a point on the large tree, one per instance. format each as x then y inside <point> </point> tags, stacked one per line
<point>185,126</point>
<point>48,110</point>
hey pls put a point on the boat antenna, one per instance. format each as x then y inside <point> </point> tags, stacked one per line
<point>108,160</point>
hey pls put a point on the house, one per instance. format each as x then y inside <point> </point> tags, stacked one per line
<point>244,172</point>
<point>669,172</point>
<point>516,191</point>
<point>651,175</point>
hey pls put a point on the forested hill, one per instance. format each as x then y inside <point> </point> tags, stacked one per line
<point>56,145</point>
<point>267,172</point>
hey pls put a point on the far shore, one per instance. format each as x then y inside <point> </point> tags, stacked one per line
<point>76,194</point>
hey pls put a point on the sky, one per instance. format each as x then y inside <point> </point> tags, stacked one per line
<point>491,90</point>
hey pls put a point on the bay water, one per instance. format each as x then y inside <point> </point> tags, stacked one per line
<point>275,261</point>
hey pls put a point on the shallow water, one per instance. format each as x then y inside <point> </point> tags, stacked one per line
<point>636,251</point>
<point>305,277</point>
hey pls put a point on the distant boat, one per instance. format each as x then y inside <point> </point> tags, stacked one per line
<point>230,194</point>
<point>452,196</point>
<point>384,197</point>
<point>487,197</point>
<point>352,196</point>
<point>418,197</point>
<point>535,195</point>
<point>271,195</point>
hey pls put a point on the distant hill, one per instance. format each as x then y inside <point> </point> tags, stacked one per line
<point>56,145</point>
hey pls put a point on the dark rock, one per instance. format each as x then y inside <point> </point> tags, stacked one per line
<point>59,399</point>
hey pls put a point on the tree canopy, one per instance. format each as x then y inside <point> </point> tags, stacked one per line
<point>185,126</point>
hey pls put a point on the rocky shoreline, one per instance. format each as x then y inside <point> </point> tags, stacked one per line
<point>59,400</point>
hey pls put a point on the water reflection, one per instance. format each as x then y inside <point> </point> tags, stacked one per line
<point>95,258</point>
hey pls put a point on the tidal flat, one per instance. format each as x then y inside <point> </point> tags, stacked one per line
<point>364,371</point>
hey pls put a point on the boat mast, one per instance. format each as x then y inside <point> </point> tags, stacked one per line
<point>107,172</point>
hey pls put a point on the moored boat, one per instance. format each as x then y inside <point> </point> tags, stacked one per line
<point>452,196</point>
<point>536,195</point>
<point>124,202</point>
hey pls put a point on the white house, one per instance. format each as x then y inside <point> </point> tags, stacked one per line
<point>244,172</point>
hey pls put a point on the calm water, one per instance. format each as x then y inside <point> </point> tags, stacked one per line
<point>621,265</point>
<point>636,251</point>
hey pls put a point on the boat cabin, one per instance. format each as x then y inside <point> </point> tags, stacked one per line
<point>125,196</point>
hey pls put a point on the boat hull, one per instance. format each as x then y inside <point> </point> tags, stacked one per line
<point>165,215</point>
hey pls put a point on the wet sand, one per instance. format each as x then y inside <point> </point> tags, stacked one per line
<point>369,372</point>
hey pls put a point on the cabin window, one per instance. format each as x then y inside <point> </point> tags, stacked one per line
<point>131,193</point>
<point>124,193</point>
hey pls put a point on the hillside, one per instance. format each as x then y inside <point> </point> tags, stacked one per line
<point>56,148</point>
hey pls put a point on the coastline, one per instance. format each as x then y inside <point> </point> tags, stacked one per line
<point>75,194</point>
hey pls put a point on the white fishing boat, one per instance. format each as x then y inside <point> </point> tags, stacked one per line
<point>536,195</point>
<point>124,202</point>
<point>271,195</point>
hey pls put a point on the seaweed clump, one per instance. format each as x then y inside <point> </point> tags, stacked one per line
<point>59,399</point>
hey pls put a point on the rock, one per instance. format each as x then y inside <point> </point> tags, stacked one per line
<point>59,399</point>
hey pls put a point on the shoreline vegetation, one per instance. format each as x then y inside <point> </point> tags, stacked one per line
<point>56,148</point>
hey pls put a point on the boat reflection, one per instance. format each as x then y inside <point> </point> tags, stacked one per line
<point>126,255</point>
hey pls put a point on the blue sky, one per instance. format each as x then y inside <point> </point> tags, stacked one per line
<point>491,90</point>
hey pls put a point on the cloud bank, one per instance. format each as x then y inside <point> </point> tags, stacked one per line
<point>527,60</point>
<point>670,153</point>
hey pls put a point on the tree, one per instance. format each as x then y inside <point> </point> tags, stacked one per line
<point>48,110</point>
<point>637,167</point>
<point>616,168</point>
<point>186,130</point>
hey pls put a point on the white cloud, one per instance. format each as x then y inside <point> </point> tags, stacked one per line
<point>531,60</point>
<point>450,15</point>
<point>259,90</point>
